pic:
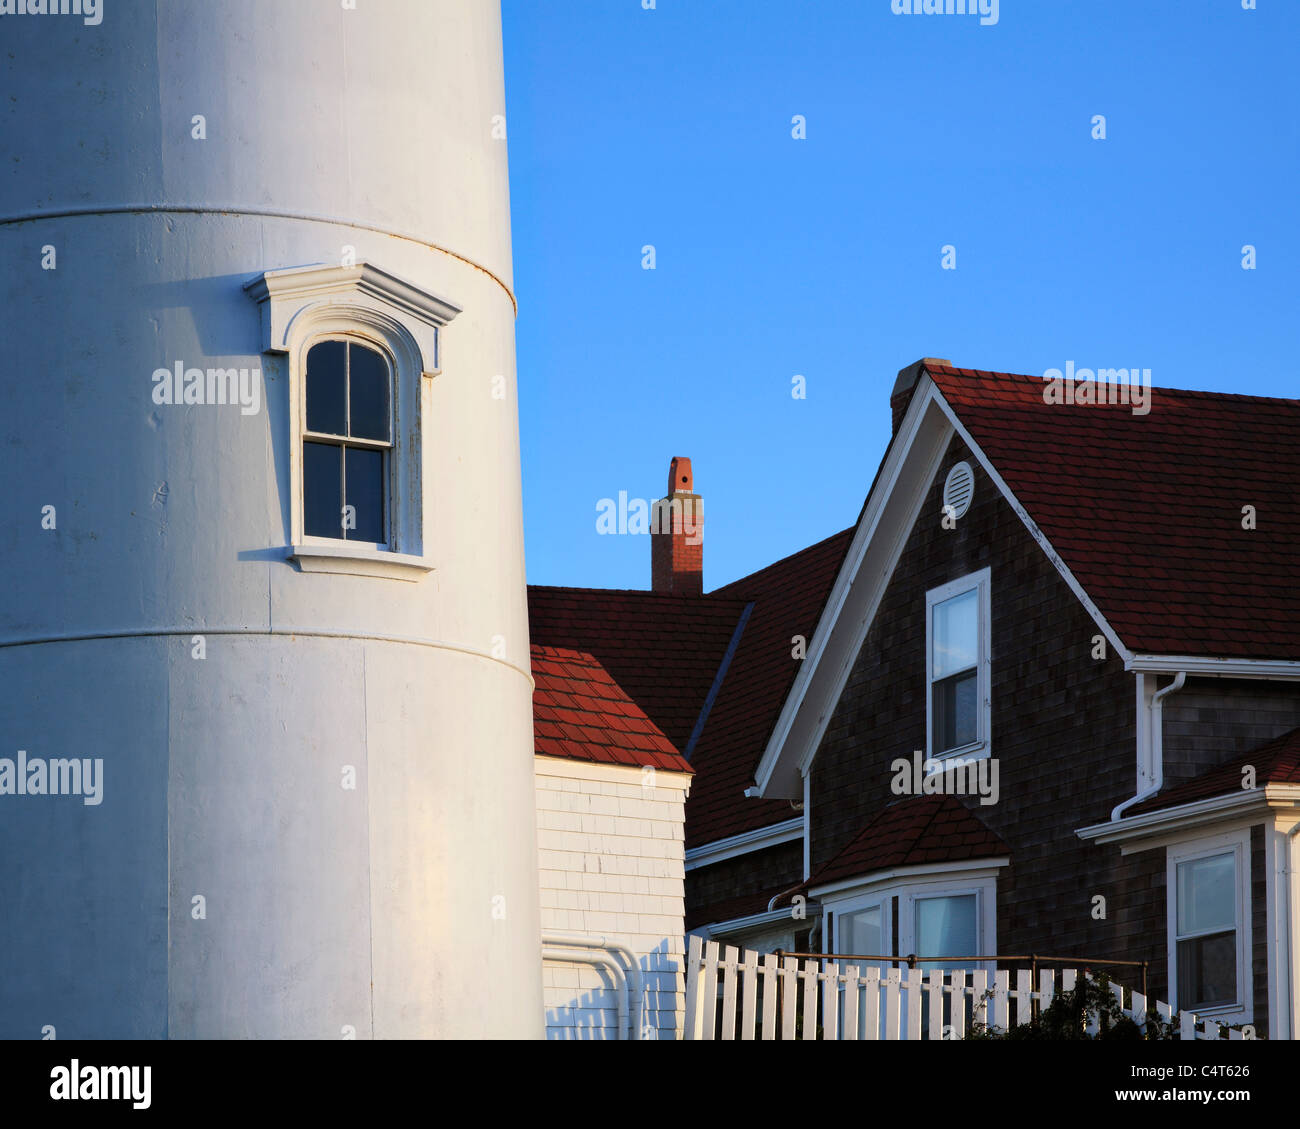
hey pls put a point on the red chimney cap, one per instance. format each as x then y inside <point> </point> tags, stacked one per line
<point>680,480</point>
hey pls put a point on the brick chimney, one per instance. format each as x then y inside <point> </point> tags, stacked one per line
<point>677,535</point>
<point>907,378</point>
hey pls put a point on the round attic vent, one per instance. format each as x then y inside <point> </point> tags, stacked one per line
<point>959,489</point>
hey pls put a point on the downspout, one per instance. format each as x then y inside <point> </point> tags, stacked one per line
<point>604,960</point>
<point>631,974</point>
<point>1157,744</point>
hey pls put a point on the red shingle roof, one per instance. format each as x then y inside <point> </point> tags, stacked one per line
<point>1146,510</point>
<point>662,650</point>
<point>909,832</point>
<point>1277,762</point>
<point>581,713</point>
<point>665,651</point>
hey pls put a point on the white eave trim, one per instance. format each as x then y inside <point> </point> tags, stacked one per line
<point>1212,810</point>
<point>1279,669</point>
<point>721,849</point>
<point>904,873</point>
<point>754,920</point>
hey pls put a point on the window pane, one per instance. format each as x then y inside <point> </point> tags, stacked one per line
<point>368,392</point>
<point>1207,971</point>
<point>955,624</point>
<point>859,932</point>
<point>326,384</point>
<point>365,493</point>
<point>1207,894</point>
<point>956,717</point>
<point>947,927</point>
<point>322,482</point>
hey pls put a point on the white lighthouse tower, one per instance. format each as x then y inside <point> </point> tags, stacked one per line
<point>265,728</point>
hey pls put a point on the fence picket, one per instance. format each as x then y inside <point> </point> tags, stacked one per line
<point>1046,988</point>
<point>769,996</point>
<point>810,999</point>
<point>912,978</point>
<point>789,996</point>
<point>1187,1025</point>
<point>1138,1009</point>
<point>831,1001</point>
<point>1001,1016</point>
<point>709,993</point>
<point>1211,1029</point>
<point>935,993</point>
<point>730,975</point>
<point>979,986</point>
<point>871,1003</point>
<point>957,988</point>
<point>892,1004</point>
<point>850,1002</point>
<point>749,996</point>
<point>1164,1011</point>
<point>1069,980</point>
<point>1024,996</point>
<point>691,1029</point>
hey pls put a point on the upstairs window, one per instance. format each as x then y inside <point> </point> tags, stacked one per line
<point>347,443</point>
<point>957,667</point>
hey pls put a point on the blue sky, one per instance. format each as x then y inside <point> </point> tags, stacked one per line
<point>822,257</point>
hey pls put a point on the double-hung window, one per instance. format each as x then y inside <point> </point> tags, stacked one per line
<point>1209,945</point>
<point>347,442</point>
<point>957,667</point>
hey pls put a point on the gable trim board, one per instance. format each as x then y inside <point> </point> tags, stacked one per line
<point>735,845</point>
<point>886,522</point>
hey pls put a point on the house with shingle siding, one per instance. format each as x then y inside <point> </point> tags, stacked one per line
<point>1042,698</point>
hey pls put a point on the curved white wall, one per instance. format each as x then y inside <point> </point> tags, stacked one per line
<point>404,907</point>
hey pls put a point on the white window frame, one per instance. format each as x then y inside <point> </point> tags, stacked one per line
<point>986,902</point>
<point>1238,844</point>
<point>394,453</point>
<point>362,303</point>
<point>909,885</point>
<point>882,898</point>
<point>981,747</point>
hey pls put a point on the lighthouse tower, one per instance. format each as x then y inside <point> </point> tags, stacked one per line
<point>265,707</point>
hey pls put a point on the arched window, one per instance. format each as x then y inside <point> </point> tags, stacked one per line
<point>361,345</point>
<point>347,443</point>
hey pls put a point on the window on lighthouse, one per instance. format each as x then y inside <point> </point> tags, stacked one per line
<point>347,442</point>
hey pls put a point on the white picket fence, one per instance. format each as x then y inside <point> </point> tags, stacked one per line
<point>738,994</point>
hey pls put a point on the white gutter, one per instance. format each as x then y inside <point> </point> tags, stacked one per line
<point>1156,753</point>
<point>1282,670</point>
<point>722,849</point>
<point>629,977</point>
